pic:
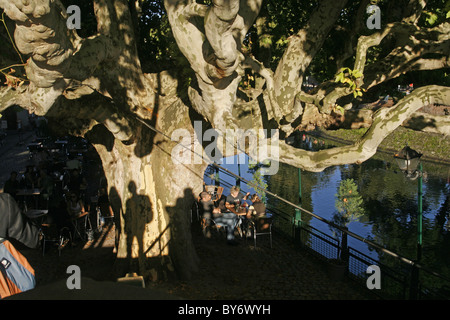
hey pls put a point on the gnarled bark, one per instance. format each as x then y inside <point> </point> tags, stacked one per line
<point>385,121</point>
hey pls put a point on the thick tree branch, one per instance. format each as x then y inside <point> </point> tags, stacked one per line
<point>429,123</point>
<point>357,24</point>
<point>211,41</point>
<point>267,74</point>
<point>41,32</point>
<point>414,10</point>
<point>416,44</point>
<point>410,54</point>
<point>92,109</point>
<point>63,64</point>
<point>103,12</point>
<point>187,33</point>
<point>221,20</point>
<point>385,121</point>
<point>10,96</point>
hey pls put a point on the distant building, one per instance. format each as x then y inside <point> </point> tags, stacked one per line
<point>13,117</point>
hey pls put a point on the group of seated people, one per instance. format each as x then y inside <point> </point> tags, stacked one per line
<point>225,211</point>
<point>58,188</point>
<point>44,180</point>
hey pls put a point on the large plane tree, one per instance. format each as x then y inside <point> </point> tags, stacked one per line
<point>231,64</point>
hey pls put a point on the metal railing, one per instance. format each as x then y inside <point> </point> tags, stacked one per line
<point>401,278</point>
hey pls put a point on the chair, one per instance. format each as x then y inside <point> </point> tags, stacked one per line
<point>214,191</point>
<point>51,234</point>
<point>100,219</point>
<point>80,225</point>
<point>261,226</point>
<point>218,192</point>
<point>210,189</point>
<point>212,225</point>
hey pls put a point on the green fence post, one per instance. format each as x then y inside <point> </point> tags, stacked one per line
<point>414,290</point>
<point>344,247</point>
<point>298,213</point>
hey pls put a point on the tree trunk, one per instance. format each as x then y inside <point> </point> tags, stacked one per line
<point>151,196</point>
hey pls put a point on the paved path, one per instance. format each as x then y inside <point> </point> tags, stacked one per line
<point>226,272</point>
<point>245,272</point>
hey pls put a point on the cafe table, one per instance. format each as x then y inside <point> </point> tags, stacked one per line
<point>36,215</point>
<point>30,193</point>
<point>241,212</point>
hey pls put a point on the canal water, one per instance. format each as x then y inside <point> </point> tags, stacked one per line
<point>388,212</point>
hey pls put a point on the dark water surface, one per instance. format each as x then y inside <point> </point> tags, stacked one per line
<point>390,204</point>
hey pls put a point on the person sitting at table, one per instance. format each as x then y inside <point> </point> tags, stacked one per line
<point>257,209</point>
<point>57,209</point>
<point>207,211</point>
<point>75,206</point>
<point>45,184</point>
<point>235,198</point>
<point>226,219</point>
<point>235,202</point>
<point>220,203</point>
<point>73,163</point>
<point>29,178</point>
<point>12,185</point>
<point>41,158</point>
<point>76,182</point>
<point>104,204</point>
<point>257,213</point>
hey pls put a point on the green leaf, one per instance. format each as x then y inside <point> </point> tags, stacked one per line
<point>340,109</point>
<point>343,70</point>
<point>339,77</point>
<point>431,17</point>
<point>357,74</point>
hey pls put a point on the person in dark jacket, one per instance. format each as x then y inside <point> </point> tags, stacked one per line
<point>257,213</point>
<point>13,224</point>
<point>12,185</point>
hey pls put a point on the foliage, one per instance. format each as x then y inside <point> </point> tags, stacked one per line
<point>349,77</point>
<point>11,79</point>
<point>284,19</point>
<point>437,12</point>
<point>348,205</point>
<point>258,182</point>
